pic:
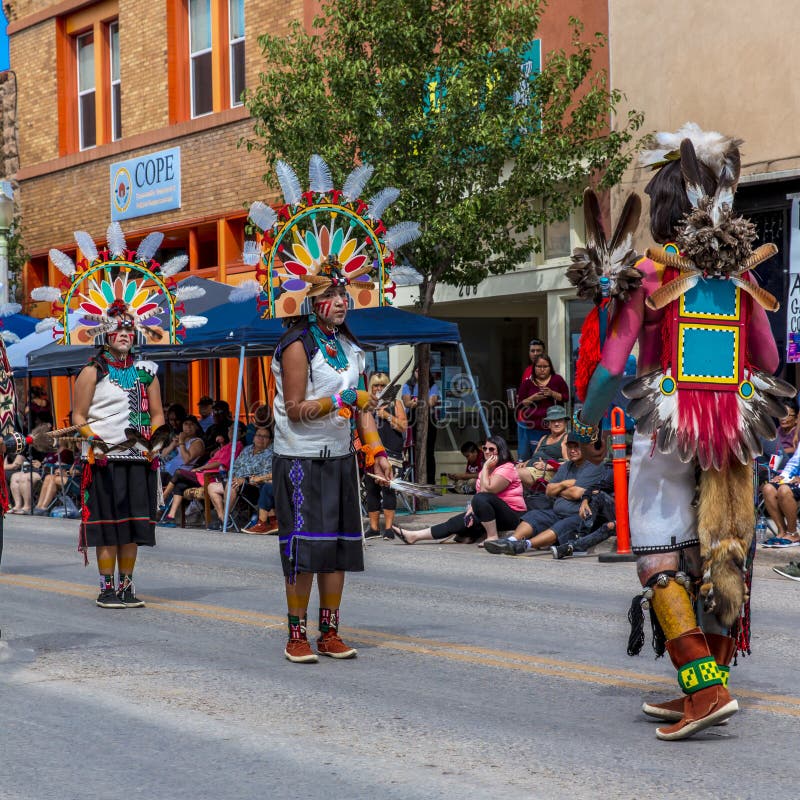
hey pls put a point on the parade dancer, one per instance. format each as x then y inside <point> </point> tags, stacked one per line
<point>704,395</point>
<point>323,252</point>
<point>117,403</point>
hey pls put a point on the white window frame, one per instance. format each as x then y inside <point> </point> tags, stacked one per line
<point>193,55</point>
<point>235,101</point>
<point>112,82</point>
<point>84,92</point>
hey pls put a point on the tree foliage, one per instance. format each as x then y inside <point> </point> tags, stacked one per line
<point>481,171</point>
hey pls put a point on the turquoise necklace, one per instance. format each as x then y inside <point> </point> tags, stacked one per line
<point>122,373</point>
<point>331,348</point>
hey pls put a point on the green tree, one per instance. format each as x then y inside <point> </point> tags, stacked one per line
<point>431,93</point>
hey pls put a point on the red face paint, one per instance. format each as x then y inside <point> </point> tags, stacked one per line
<point>323,308</point>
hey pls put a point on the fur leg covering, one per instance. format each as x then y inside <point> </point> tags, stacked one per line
<point>673,607</point>
<point>725,520</point>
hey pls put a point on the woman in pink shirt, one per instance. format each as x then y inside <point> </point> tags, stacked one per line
<point>497,506</point>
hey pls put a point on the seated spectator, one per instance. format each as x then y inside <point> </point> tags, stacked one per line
<point>551,447</point>
<point>12,463</point>
<point>205,408</point>
<point>185,450</point>
<point>465,481</point>
<point>497,505</point>
<point>786,441</point>
<point>781,495</point>
<point>175,415</point>
<point>568,490</point>
<point>52,484</point>
<point>186,478</point>
<point>262,418</point>
<point>221,413</point>
<point>252,475</point>
<point>596,526</point>
<point>22,486</point>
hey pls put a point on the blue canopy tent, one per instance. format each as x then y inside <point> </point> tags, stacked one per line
<point>19,324</point>
<point>238,331</point>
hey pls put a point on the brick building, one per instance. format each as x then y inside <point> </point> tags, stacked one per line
<point>103,83</point>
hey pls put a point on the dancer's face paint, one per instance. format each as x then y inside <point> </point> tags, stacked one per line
<point>331,308</point>
<point>121,339</point>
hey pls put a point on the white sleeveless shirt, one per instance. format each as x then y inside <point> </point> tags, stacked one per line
<point>327,436</point>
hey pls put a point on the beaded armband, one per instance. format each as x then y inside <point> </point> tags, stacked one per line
<point>587,433</point>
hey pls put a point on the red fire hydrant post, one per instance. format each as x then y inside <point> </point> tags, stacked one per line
<point>620,463</point>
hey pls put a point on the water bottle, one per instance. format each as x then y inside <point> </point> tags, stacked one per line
<point>222,474</point>
<point>761,529</point>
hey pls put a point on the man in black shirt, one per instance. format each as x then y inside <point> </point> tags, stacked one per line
<point>569,492</point>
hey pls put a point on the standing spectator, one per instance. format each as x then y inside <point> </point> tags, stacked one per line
<point>409,393</point>
<point>497,505</point>
<point>540,389</point>
<point>465,481</point>
<point>392,424</point>
<point>205,407</point>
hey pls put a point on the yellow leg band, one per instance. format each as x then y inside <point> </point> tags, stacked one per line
<point>674,610</point>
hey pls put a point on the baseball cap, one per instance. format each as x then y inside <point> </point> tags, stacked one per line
<point>573,438</point>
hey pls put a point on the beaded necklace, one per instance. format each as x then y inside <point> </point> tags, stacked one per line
<point>121,372</point>
<point>331,348</point>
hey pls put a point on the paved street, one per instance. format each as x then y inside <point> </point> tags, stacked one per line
<point>478,676</point>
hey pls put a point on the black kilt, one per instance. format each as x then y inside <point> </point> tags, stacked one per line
<point>119,504</point>
<point>319,514</point>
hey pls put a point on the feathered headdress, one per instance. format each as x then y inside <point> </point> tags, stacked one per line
<point>604,271</point>
<point>324,237</point>
<point>108,286</point>
<point>713,243</point>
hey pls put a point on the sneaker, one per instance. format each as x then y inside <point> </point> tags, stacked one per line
<point>790,571</point>
<point>108,599</point>
<point>260,528</point>
<point>388,533</point>
<point>214,526</point>
<point>507,547</point>
<point>299,651</point>
<point>129,598</point>
<point>168,522</point>
<point>372,534</point>
<point>330,644</point>
<point>561,550</point>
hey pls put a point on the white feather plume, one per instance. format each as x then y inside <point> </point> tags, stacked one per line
<point>190,292</point>
<point>251,253</point>
<point>86,245</point>
<point>49,293</point>
<point>47,324</point>
<point>380,202</point>
<point>405,275</point>
<point>174,266</point>
<point>62,262</point>
<point>9,337</point>
<point>149,245</point>
<point>191,321</point>
<point>116,240</point>
<point>401,234</point>
<point>356,181</point>
<point>9,309</point>
<point>710,146</point>
<point>319,175</point>
<point>262,215</point>
<point>245,291</point>
<point>290,183</point>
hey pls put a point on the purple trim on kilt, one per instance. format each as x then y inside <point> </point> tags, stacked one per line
<point>290,539</point>
<point>296,476</point>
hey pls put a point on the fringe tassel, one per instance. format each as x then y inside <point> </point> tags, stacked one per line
<point>741,628</point>
<point>636,620</point>
<point>589,352</point>
<point>4,504</point>
<point>659,641</point>
<point>86,482</point>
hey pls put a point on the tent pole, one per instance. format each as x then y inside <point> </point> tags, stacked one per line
<point>234,440</point>
<point>474,390</point>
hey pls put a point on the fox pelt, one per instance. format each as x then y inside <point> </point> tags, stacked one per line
<point>725,522</point>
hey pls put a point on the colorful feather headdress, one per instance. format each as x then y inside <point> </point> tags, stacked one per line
<point>108,285</point>
<point>324,237</point>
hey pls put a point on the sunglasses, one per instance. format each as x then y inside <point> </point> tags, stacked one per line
<point>489,449</point>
